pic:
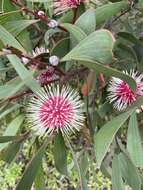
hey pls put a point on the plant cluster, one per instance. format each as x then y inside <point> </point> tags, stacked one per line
<point>71,83</point>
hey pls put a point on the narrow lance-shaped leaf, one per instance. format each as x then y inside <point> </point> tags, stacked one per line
<point>117,180</point>
<point>39,180</point>
<point>129,172</point>
<point>12,129</point>
<point>10,153</point>
<point>9,110</point>
<point>11,88</point>
<point>106,134</point>
<point>4,139</point>
<point>60,154</point>
<point>7,16</point>
<point>134,143</point>
<point>31,170</point>
<point>24,74</point>
<point>17,26</point>
<point>8,39</point>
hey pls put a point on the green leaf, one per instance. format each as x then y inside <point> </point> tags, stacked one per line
<point>60,154</point>
<point>31,170</point>
<point>106,12</point>
<point>97,47</point>
<point>17,26</point>
<point>4,139</point>
<point>61,48</point>
<point>10,88</point>
<point>134,143</point>
<point>84,169</point>
<point>5,17</point>
<point>39,180</point>
<point>24,74</point>
<point>130,37</point>
<point>129,172</point>
<point>87,21</point>
<point>76,32</point>
<point>108,71</point>
<point>8,39</point>
<point>10,152</point>
<point>117,181</point>
<point>51,32</point>
<point>9,110</point>
<point>106,134</point>
<point>12,129</point>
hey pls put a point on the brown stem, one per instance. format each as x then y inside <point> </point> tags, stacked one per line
<point>19,95</point>
<point>74,15</point>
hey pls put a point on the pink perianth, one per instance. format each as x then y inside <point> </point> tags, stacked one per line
<point>56,112</point>
<point>47,76</point>
<point>63,5</point>
<point>125,93</point>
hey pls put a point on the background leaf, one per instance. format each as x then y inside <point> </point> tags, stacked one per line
<point>128,168</point>
<point>106,134</point>
<point>106,12</point>
<point>134,143</point>
<point>8,39</point>
<point>12,129</point>
<point>24,74</point>
<point>117,181</point>
<point>32,169</point>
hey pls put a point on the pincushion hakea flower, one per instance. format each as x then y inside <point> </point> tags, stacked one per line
<point>48,75</point>
<point>55,109</point>
<point>38,51</point>
<point>61,6</point>
<point>120,93</point>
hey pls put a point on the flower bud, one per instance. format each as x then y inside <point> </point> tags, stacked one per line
<point>53,23</point>
<point>54,60</point>
<point>41,13</point>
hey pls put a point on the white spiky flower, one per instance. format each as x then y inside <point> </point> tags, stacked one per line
<point>39,50</point>
<point>61,6</point>
<point>121,94</point>
<point>56,109</point>
<point>48,75</point>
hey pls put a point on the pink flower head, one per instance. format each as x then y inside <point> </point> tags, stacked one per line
<point>120,93</point>
<point>63,5</point>
<point>48,75</point>
<point>56,109</point>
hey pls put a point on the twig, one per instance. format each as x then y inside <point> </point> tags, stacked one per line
<point>122,14</point>
<point>19,95</point>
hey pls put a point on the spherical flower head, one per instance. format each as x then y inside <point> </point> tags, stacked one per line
<point>61,6</point>
<point>38,51</point>
<point>48,75</point>
<point>120,93</point>
<point>56,109</point>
